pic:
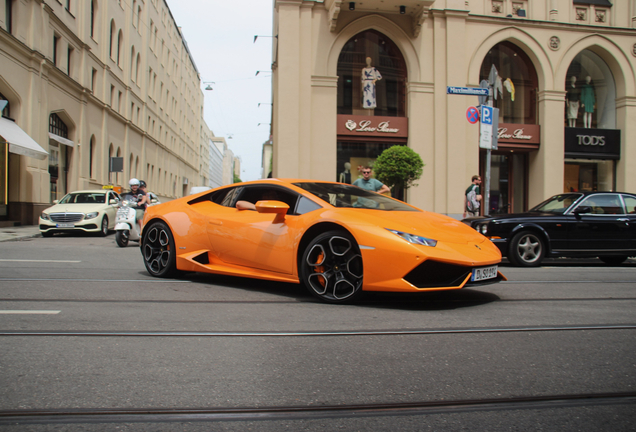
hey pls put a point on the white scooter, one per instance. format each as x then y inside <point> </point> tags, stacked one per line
<point>126,226</point>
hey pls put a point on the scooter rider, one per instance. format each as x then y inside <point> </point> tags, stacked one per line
<point>138,197</point>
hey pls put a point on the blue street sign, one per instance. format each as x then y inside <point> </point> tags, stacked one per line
<point>472,91</point>
<point>486,114</point>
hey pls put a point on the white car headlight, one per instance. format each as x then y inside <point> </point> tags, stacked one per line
<point>483,228</point>
<point>91,215</point>
<point>411,238</point>
<point>45,216</point>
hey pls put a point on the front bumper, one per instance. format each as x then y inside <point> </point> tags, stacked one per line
<point>90,225</point>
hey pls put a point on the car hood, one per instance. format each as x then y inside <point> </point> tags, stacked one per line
<point>426,224</point>
<point>526,215</point>
<point>75,208</point>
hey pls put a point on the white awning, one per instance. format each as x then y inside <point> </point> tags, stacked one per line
<point>19,141</point>
<point>61,140</point>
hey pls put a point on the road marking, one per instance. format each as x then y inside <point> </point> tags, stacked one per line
<point>38,261</point>
<point>29,312</point>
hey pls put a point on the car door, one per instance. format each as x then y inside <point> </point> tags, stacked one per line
<point>604,227</point>
<point>630,215</point>
<point>251,239</point>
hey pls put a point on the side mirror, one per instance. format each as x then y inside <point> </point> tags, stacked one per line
<point>154,200</point>
<point>112,201</point>
<point>55,201</point>
<point>582,209</point>
<point>277,207</point>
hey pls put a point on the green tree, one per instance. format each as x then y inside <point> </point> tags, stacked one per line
<point>398,167</point>
<point>237,179</point>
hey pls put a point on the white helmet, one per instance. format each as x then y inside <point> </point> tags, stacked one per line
<point>133,182</point>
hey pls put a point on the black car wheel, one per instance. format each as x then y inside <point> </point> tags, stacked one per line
<point>613,260</point>
<point>121,237</point>
<point>157,247</point>
<point>526,250</point>
<point>104,230</point>
<point>331,267</point>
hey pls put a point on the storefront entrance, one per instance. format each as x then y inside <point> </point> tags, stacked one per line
<point>508,192</point>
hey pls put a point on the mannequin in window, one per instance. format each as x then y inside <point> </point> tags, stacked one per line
<point>587,101</point>
<point>369,77</point>
<point>572,100</point>
<point>345,176</point>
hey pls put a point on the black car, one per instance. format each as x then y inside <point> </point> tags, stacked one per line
<point>576,224</point>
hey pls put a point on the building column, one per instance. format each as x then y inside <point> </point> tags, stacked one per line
<point>323,135</point>
<point>287,95</point>
<point>546,171</point>
<point>626,122</point>
<point>421,113</point>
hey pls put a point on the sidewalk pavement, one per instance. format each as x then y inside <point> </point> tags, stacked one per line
<point>19,232</point>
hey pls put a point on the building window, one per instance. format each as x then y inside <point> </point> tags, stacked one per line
<point>56,42</point>
<point>91,158</point>
<point>68,60</point>
<point>93,80</point>
<point>120,42</point>
<point>93,9</point>
<point>590,93</point>
<point>371,76</point>
<point>6,112</point>
<point>516,83</point>
<point>8,17</point>
<point>112,37</point>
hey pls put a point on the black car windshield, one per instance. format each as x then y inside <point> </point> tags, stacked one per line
<point>557,204</point>
<point>339,195</point>
<point>83,198</point>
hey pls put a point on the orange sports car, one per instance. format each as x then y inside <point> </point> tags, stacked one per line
<point>337,239</point>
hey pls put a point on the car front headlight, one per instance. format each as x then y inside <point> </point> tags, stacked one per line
<point>414,239</point>
<point>482,228</point>
<point>91,215</point>
<point>45,216</point>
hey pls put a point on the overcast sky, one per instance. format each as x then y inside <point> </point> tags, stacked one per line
<point>220,36</point>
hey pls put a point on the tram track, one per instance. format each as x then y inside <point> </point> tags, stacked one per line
<point>243,334</point>
<point>295,412</point>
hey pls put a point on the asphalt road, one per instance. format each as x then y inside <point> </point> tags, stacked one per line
<point>91,342</point>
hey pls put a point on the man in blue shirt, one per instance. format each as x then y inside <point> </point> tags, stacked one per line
<point>371,184</point>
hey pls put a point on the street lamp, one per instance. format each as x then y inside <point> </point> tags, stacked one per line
<point>209,87</point>
<point>259,71</point>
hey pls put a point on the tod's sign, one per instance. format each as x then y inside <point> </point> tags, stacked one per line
<point>593,143</point>
<point>372,126</point>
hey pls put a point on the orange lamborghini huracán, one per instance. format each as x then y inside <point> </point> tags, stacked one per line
<point>336,239</point>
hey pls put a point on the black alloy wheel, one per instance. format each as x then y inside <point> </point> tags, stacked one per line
<point>157,247</point>
<point>104,230</point>
<point>526,249</point>
<point>613,260</point>
<point>331,267</point>
<point>121,237</point>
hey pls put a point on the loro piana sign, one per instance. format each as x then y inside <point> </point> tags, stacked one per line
<point>372,125</point>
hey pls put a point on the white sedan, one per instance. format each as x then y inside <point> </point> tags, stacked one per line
<point>87,210</point>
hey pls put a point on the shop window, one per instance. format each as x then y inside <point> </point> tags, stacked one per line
<point>588,176</point>
<point>515,83</point>
<point>590,93</point>
<point>353,156</point>
<point>371,76</point>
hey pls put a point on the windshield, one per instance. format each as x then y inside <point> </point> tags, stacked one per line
<point>83,198</point>
<point>557,204</point>
<point>339,195</point>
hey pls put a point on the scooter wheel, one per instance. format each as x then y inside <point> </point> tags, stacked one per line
<point>122,238</point>
<point>158,250</point>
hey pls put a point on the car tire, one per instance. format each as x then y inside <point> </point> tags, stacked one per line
<point>613,260</point>
<point>331,267</point>
<point>158,250</point>
<point>104,230</point>
<point>527,249</point>
<point>47,234</point>
<point>121,237</point>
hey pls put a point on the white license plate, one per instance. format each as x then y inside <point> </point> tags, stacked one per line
<point>65,225</point>
<point>484,273</point>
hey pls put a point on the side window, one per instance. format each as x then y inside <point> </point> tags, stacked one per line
<point>305,205</point>
<point>630,203</point>
<point>260,193</point>
<point>229,199</point>
<point>608,204</point>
